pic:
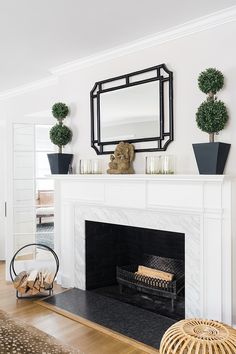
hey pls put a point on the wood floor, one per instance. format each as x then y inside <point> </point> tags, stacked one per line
<point>88,340</point>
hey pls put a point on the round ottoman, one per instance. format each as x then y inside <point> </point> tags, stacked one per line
<point>196,336</point>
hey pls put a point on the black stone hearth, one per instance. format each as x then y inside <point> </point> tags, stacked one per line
<point>109,245</point>
<point>136,323</point>
<point>151,303</point>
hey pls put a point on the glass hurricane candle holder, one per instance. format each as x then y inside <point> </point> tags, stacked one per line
<point>96,166</point>
<point>85,167</point>
<point>167,164</point>
<point>153,165</point>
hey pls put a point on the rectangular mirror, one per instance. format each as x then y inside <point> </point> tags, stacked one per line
<point>135,108</point>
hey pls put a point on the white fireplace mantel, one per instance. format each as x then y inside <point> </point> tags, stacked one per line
<point>200,206</point>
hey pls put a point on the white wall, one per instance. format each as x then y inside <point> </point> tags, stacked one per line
<point>2,179</point>
<point>186,57</point>
<point>2,189</point>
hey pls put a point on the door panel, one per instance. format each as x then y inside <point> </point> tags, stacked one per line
<point>2,189</point>
<point>23,192</point>
<point>24,220</point>
<point>32,213</point>
<point>23,137</point>
<point>21,240</point>
<point>23,165</point>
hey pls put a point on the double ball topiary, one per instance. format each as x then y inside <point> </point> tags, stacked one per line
<point>60,111</point>
<point>60,134</point>
<point>212,114</point>
<point>210,81</point>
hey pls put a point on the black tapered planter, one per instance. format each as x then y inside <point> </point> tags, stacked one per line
<point>211,157</point>
<point>60,163</point>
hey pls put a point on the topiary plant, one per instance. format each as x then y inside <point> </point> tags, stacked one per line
<point>210,81</point>
<point>212,114</point>
<point>60,111</point>
<point>60,134</point>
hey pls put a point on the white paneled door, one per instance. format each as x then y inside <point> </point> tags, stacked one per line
<point>33,193</point>
<point>23,185</point>
<point>2,190</point>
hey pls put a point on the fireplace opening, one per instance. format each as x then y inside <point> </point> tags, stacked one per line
<point>140,266</point>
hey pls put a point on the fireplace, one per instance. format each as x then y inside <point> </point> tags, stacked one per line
<point>109,247</point>
<point>200,207</point>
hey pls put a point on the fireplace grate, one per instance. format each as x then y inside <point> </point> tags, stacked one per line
<point>126,276</point>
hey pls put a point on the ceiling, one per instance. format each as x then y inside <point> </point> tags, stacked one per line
<point>36,35</point>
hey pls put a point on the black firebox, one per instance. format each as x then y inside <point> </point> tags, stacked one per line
<point>109,246</point>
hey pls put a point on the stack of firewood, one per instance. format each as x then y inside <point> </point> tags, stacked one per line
<point>33,282</point>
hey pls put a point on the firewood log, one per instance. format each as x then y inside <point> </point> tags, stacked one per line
<point>34,282</point>
<point>36,285</point>
<point>32,278</point>
<point>155,273</point>
<point>34,291</point>
<point>23,288</point>
<point>19,279</point>
<point>40,280</point>
<point>48,280</point>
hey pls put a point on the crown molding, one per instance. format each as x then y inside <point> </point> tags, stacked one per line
<point>35,85</point>
<point>188,28</point>
<point>40,114</point>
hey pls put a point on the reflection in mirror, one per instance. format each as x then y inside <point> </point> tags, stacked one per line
<point>131,113</point>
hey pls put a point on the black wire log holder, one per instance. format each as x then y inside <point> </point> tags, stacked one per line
<point>13,274</point>
<point>126,277</point>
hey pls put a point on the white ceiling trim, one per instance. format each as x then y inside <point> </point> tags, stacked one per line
<point>201,24</point>
<point>35,85</point>
<point>40,114</point>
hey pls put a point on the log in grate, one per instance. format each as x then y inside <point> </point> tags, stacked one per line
<point>127,277</point>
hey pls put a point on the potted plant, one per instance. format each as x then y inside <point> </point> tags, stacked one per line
<point>60,135</point>
<point>211,117</point>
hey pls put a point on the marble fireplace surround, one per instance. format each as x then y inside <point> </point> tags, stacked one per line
<point>201,207</point>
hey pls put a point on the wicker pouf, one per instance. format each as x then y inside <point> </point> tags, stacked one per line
<point>196,336</point>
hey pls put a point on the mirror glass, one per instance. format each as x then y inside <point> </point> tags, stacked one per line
<point>136,108</point>
<point>130,113</point>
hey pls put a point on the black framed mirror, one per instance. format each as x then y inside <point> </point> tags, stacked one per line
<point>135,108</point>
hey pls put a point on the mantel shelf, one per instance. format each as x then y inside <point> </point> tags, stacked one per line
<point>145,177</point>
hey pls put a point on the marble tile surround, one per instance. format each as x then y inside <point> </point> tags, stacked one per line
<point>186,223</point>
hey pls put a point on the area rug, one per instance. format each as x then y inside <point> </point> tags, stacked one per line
<point>44,234</point>
<point>17,337</point>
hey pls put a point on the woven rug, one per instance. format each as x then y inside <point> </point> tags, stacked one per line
<point>17,337</point>
<point>44,234</point>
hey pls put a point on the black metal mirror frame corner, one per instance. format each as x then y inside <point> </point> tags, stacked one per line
<point>99,89</point>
